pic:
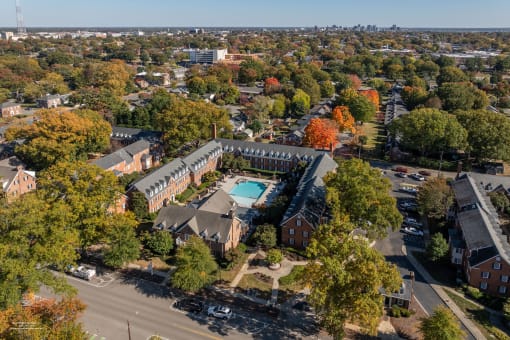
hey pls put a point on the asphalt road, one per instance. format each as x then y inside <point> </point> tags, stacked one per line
<point>149,309</point>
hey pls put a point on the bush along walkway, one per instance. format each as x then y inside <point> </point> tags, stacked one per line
<point>284,270</point>
<point>438,288</point>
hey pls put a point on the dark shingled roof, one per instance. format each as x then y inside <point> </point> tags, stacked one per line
<point>119,132</point>
<point>202,155</point>
<point>220,202</point>
<point>212,226</point>
<point>125,154</point>
<point>277,150</point>
<point>311,191</point>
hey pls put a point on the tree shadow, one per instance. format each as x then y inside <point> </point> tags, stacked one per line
<point>148,288</point>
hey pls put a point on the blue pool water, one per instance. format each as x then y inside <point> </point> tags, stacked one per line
<point>247,193</point>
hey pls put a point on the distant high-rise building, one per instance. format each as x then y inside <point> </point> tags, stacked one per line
<point>206,56</point>
<point>19,18</point>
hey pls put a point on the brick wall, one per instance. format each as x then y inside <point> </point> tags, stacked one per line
<point>296,232</point>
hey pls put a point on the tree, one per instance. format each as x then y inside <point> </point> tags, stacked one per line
<point>196,85</point>
<point>327,89</point>
<point>429,130</point>
<point>345,275</point>
<point>451,74</point>
<point>435,197</point>
<point>414,96</point>
<point>360,107</point>
<point>231,162</point>
<point>437,248</point>
<point>484,134</point>
<point>355,81</point>
<point>250,71</point>
<point>343,118</point>
<point>123,246</point>
<point>138,205</point>
<point>321,133</point>
<point>462,96</point>
<point>305,82</point>
<point>372,95</point>
<point>261,107</point>
<point>271,86</point>
<point>359,192</point>
<point>160,242</point>
<point>279,107</point>
<point>53,83</point>
<point>441,325</point>
<point>300,104</point>
<point>264,235</point>
<point>274,256</point>
<point>196,267</point>
<point>55,136</point>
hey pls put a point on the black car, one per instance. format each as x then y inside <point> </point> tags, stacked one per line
<point>189,305</point>
<point>302,306</point>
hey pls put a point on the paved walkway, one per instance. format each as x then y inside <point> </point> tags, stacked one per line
<point>470,326</point>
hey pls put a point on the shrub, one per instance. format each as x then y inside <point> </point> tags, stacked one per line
<point>395,311</point>
<point>274,256</point>
<point>474,293</point>
<point>161,242</point>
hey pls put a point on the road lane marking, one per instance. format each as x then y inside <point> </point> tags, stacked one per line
<point>205,335</point>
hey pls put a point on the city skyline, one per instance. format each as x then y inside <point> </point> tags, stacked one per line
<point>265,13</point>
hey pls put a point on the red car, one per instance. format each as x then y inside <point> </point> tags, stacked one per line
<point>401,169</point>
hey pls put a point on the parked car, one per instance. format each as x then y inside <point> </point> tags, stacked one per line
<point>413,222</point>
<point>425,173</point>
<point>401,169</point>
<point>303,306</point>
<point>417,177</point>
<point>400,174</point>
<point>408,206</point>
<point>189,305</point>
<point>83,272</point>
<point>412,231</point>
<point>220,312</point>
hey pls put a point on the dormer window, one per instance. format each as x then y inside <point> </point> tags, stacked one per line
<point>151,193</point>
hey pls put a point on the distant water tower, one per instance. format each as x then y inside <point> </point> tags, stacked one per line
<point>19,18</point>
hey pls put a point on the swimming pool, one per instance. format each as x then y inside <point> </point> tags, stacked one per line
<point>247,193</point>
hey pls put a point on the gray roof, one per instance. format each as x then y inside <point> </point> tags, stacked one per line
<point>276,150</point>
<point>161,177</point>
<point>200,157</point>
<point>8,104</point>
<point>212,226</point>
<point>479,221</point>
<point>50,97</point>
<point>220,202</point>
<point>123,155</point>
<point>311,192</point>
<point>119,132</point>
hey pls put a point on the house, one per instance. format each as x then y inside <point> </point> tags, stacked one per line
<point>308,207</point>
<point>203,160</point>
<point>10,109</point>
<point>403,296</point>
<point>478,243</point>
<point>49,101</point>
<point>15,180</point>
<point>135,157</point>
<point>220,230</point>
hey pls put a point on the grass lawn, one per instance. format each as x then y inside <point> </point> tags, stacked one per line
<point>251,281</point>
<point>479,316</point>
<point>375,134</point>
<point>228,275</point>
<point>290,284</point>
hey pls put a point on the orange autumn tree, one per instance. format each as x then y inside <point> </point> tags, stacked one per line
<point>371,95</point>
<point>321,133</point>
<point>271,85</point>
<point>342,116</point>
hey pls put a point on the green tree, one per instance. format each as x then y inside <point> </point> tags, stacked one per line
<point>138,205</point>
<point>261,107</point>
<point>429,130</point>
<point>279,107</point>
<point>435,197</point>
<point>305,82</point>
<point>327,89</point>
<point>300,104</point>
<point>160,242</point>
<point>441,325</point>
<point>196,85</point>
<point>274,256</point>
<point>264,235</point>
<point>361,108</point>
<point>123,246</point>
<point>451,74</point>
<point>499,200</point>
<point>484,134</point>
<point>437,248</point>
<point>358,191</point>
<point>4,94</point>
<point>462,96</point>
<point>196,266</point>
<point>345,276</point>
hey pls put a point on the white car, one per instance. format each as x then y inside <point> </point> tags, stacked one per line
<point>220,312</point>
<point>417,177</point>
<point>412,222</point>
<point>413,231</point>
<point>84,273</point>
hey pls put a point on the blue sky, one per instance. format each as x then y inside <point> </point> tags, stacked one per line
<point>203,13</point>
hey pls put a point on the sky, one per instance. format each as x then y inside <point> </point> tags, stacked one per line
<point>268,13</point>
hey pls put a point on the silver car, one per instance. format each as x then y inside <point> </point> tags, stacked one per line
<point>220,312</point>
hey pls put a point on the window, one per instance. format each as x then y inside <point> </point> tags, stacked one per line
<point>186,237</point>
<point>305,234</point>
<point>291,231</point>
<point>496,265</point>
<point>485,275</point>
<point>400,302</point>
<point>502,290</point>
<point>504,278</point>
<point>291,241</point>
<point>458,250</point>
<point>305,243</point>
<point>483,285</point>
<point>298,222</point>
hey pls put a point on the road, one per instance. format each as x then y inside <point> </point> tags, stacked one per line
<point>148,308</point>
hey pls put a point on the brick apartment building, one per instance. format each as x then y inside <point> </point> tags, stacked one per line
<point>135,157</point>
<point>10,109</point>
<point>203,160</point>
<point>15,180</point>
<point>477,243</point>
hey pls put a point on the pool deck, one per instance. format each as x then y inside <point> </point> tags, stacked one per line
<point>272,187</point>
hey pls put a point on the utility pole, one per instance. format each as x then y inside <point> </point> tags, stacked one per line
<point>129,330</point>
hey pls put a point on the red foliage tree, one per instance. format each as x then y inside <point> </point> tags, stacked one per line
<point>271,85</point>
<point>371,95</point>
<point>321,133</point>
<point>342,116</point>
<point>356,82</point>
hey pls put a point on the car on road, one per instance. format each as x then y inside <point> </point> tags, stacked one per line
<point>220,312</point>
<point>417,177</point>
<point>412,231</point>
<point>83,272</point>
<point>400,174</point>
<point>189,305</point>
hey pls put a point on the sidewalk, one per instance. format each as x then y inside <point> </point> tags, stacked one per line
<point>470,326</point>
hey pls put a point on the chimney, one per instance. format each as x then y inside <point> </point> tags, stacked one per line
<point>459,169</point>
<point>331,149</point>
<point>213,131</point>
